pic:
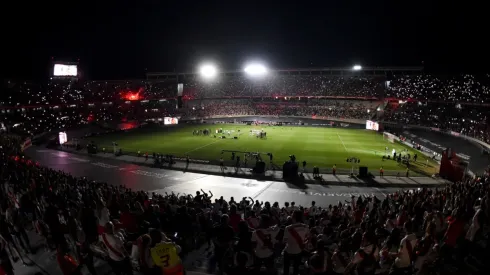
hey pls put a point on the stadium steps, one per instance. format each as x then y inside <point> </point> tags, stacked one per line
<point>382,106</point>
<point>197,262</point>
<point>390,107</point>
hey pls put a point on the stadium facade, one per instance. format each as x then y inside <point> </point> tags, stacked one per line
<point>368,71</point>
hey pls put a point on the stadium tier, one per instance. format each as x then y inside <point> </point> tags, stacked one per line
<point>74,217</point>
<point>457,103</point>
<point>324,128</point>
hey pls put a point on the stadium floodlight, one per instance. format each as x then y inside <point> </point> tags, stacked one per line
<point>208,71</point>
<point>357,67</point>
<point>255,69</point>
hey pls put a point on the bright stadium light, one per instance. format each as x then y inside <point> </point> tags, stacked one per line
<point>357,67</point>
<point>208,71</point>
<point>255,70</point>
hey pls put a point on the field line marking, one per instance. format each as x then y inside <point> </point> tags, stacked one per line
<point>201,147</point>
<point>345,148</point>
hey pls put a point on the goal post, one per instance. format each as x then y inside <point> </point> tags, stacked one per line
<point>390,137</point>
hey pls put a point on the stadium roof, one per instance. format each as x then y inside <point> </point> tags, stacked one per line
<point>381,71</point>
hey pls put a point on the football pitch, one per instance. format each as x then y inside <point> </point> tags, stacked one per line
<point>322,147</point>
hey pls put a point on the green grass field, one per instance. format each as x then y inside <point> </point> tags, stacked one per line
<point>322,147</point>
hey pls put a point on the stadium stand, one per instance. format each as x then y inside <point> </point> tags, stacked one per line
<point>58,92</point>
<point>456,103</point>
<point>469,120</point>
<point>274,107</point>
<point>446,89</point>
<point>424,231</point>
<point>442,231</point>
<point>287,85</point>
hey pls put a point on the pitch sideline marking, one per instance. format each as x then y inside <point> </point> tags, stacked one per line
<point>345,148</point>
<point>201,147</point>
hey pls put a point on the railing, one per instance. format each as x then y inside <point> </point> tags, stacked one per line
<point>475,141</point>
<point>347,120</point>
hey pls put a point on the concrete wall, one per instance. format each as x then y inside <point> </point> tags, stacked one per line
<point>437,140</point>
<point>307,121</point>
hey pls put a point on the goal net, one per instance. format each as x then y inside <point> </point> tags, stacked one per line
<point>390,137</point>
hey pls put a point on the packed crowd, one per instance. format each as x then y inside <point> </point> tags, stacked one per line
<point>453,89</point>
<point>456,103</point>
<point>469,120</point>
<point>287,85</point>
<point>319,108</point>
<point>37,120</point>
<point>425,231</point>
<point>33,121</point>
<point>424,87</point>
<point>82,92</point>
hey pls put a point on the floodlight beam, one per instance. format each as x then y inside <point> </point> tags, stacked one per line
<point>255,69</point>
<point>208,71</point>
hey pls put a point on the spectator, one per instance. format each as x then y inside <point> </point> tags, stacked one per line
<point>295,236</point>
<point>406,253</point>
<point>352,232</point>
<point>118,257</point>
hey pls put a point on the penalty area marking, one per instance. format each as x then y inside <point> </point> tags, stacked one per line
<point>201,147</point>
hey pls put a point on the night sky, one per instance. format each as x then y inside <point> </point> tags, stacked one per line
<point>124,39</point>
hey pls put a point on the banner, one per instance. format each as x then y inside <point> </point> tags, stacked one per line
<point>180,89</point>
<point>371,125</point>
<point>170,120</point>
<point>62,138</point>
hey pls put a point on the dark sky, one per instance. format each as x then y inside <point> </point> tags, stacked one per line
<point>120,39</point>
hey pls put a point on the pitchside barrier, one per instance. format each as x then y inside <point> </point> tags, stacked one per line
<point>306,119</point>
<point>390,137</point>
<point>422,149</point>
<point>428,152</point>
<point>475,141</point>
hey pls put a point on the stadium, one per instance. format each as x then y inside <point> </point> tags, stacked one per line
<point>314,137</point>
<point>245,138</point>
<point>344,118</point>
